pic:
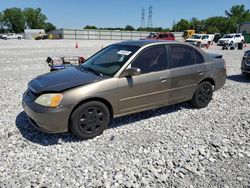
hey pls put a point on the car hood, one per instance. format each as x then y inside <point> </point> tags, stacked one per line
<point>61,80</point>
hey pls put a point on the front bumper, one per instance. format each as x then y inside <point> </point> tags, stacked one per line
<point>222,43</point>
<point>50,120</point>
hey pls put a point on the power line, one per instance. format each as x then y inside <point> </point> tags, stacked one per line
<point>150,16</point>
<point>143,18</point>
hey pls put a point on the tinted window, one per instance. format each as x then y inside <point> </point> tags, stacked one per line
<point>237,35</point>
<point>151,59</point>
<point>181,56</point>
<point>198,57</point>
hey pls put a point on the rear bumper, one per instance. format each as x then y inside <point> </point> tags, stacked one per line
<point>50,120</point>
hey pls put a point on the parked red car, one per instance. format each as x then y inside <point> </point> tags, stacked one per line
<point>161,36</point>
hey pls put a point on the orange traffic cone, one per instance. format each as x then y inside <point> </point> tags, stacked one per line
<point>76,45</point>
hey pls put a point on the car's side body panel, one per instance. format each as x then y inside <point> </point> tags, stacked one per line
<point>143,92</point>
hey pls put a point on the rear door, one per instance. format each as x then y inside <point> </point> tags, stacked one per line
<point>151,88</point>
<point>187,70</point>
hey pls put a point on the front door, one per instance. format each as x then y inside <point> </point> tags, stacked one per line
<point>150,88</point>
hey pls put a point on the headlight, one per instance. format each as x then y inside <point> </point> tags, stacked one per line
<point>50,99</point>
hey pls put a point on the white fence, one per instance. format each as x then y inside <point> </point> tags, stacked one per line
<point>89,34</point>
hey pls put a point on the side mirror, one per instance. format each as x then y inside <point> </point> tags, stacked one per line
<point>133,71</point>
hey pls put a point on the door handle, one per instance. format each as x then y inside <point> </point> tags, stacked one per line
<point>200,73</point>
<point>163,79</point>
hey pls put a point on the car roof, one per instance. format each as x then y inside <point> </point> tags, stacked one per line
<point>141,43</point>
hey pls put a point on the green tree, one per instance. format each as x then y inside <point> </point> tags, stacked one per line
<point>238,13</point>
<point>195,24</point>
<point>216,24</point>
<point>182,25</point>
<point>49,27</point>
<point>34,18</point>
<point>129,28</point>
<point>14,19</point>
<point>90,27</point>
<point>1,22</point>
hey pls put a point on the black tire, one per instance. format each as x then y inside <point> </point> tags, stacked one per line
<point>5,38</point>
<point>203,95</point>
<point>247,75</point>
<point>90,120</point>
<point>19,38</point>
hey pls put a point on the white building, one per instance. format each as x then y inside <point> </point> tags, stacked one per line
<point>31,33</point>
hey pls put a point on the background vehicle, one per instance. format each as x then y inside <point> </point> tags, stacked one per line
<point>245,64</point>
<point>234,38</point>
<point>122,79</point>
<point>41,37</point>
<point>12,36</point>
<point>161,36</point>
<point>199,40</point>
<point>188,33</point>
<point>217,36</point>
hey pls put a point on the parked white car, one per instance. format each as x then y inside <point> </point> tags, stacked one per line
<point>234,38</point>
<point>12,36</point>
<point>199,39</point>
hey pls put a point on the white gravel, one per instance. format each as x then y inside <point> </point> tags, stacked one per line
<point>175,146</point>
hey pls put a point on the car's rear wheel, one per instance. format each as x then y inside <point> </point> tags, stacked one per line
<point>19,38</point>
<point>203,95</point>
<point>90,119</point>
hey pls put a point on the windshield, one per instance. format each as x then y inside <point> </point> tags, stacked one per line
<point>152,35</point>
<point>109,60</point>
<point>196,36</point>
<point>228,36</point>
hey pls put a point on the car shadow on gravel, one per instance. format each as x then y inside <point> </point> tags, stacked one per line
<point>33,135</point>
<point>239,78</point>
<point>148,114</point>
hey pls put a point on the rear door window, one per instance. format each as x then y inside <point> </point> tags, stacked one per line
<point>181,55</point>
<point>198,57</point>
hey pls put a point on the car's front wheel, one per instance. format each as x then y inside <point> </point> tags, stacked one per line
<point>89,119</point>
<point>203,95</point>
<point>247,75</point>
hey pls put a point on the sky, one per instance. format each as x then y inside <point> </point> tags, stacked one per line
<point>76,14</point>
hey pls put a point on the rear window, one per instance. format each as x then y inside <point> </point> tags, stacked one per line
<point>171,35</point>
<point>181,56</point>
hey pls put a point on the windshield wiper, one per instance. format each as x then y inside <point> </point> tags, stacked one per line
<point>94,71</point>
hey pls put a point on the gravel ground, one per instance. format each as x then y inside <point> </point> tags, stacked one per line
<point>175,146</point>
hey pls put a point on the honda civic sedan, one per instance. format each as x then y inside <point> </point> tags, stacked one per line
<point>121,79</point>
